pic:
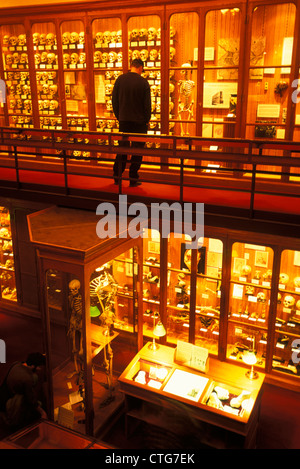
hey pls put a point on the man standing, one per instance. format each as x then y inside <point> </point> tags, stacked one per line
<point>131,100</point>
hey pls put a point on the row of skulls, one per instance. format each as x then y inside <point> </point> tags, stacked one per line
<point>48,89</point>
<point>74,58</point>
<point>16,59</point>
<point>13,41</point>
<point>108,57</point>
<point>284,280</point>
<point>21,120</point>
<point>48,104</point>
<point>21,104</point>
<point>19,89</point>
<point>45,58</point>
<point>17,75</point>
<point>52,121</point>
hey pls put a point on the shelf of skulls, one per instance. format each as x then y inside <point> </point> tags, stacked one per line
<point>15,52</point>
<point>45,48</point>
<point>19,98</point>
<point>73,46</point>
<point>107,52</point>
<point>47,89</point>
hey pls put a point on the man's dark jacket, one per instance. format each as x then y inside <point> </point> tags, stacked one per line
<point>131,98</point>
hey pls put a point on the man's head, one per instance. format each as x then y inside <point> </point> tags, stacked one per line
<point>137,65</point>
<point>36,360</point>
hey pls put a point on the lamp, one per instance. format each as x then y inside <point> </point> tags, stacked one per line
<point>250,359</point>
<point>158,331</point>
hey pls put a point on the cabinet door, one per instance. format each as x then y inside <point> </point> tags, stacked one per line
<point>287,326</point>
<point>208,294</point>
<point>7,267</point>
<point>16,75</point>
<point>250,288</point>
<point>151,281</point>
<point>46,72</point>
<point>108,63</point>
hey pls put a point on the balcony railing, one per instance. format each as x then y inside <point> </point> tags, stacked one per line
<point>248,174</point>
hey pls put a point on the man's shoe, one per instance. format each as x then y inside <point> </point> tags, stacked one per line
<point>135,183</point>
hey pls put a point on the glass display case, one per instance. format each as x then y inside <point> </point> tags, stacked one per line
<point>287,325</point>
<point>16,75</point>
<point>8,289</point>
<point>272,38</point>
<point>221,72</point>
<point>249,303</point>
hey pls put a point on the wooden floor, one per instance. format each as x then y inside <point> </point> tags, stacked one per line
<point>279,422</point>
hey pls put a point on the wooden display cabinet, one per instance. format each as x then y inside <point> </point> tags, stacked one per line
<point>160,392</point>
<point>287,325</point>
<point>8,289</point>
<point>88,285</point>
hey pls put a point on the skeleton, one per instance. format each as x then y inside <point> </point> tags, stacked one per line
<point>185,102</point>
<point>75,321</point>
<point>104,289</point>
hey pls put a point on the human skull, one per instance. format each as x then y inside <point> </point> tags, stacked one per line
<point>246,269</point>
<point>172,32</point>
<point>153,90</point>
<point>22,39</point>
<point>74,37</point>
<point>112,57</point>
<point>82,58</point>
<point>288,301</point>
<point>108,89</point>
<point>52,90</point>
<point>81,37</point>
<point>119,57</point>
<point>172,53</point>
<point>106,37</point>
<point>66,59</point>
<point>99,37</point>
<point>74,58</point>
<point>110,124</point>
<point>13,40</point>
<point>18,89</point>
<point>119,36</point>
<point>158,33</point>
<point>113,37</point>
<point>97,56</point>
<point>26,89</point>
<point>44,57</point>
<point>249,289</point>
<point>23,58</point>
<point>40,103</point>
<point>261,296</point>
<point>16,58</point>
<point>104,57</point>
<point>6,40</point>
<point>283,278</point>
<point>143,34</point>
<point>46,104</point>
<point>135,54</point>
<point>153,54</point>
<point>74,287</point>
<point>152,33</point>
<point>117,73</point>
<point>12,90</point>
<point>65,37</point>
<point>109,74</point>
<point>297,282</point>
<point>144,55</point>
<point>36,39</point>
<point>51,75</point>
<point>51,58</point>
<point>19,103</point>
<point>267,275</point>
<point>53,105</point>
<point>134,34</point>
<point>12,103</point>
<point>50,39</point>
<point>9,59</point>
<point>43,38</point>
<point>27,105</point>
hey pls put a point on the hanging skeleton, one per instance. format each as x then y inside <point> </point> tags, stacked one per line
<point>75,322</point>
<point>105,288</point>
<point>185,102</point>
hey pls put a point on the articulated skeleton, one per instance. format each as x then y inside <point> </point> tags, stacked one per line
<point>185,103</point>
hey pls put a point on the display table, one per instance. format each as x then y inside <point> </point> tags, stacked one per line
<point>153,384</point>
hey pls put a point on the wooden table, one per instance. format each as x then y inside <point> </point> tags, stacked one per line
<point>220,427</point>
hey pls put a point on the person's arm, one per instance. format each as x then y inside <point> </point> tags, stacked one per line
<point>115,99</point>
<point>147,103</point>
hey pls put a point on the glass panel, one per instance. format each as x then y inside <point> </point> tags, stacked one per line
<point>183,75</point>
<point>75,81</point>
<point>144,35</point>
<point>179,280</point>
<point>208,294</point>
<point>46,66</point>
<point>64,302</point>
<point>271,48</point>
<point>221,60</point>
<point>251,273</point>
<point>151,286</point>
<point>7,268</point>
<point>287,326</point>
<point>15,59</point>
<point>108,62</point>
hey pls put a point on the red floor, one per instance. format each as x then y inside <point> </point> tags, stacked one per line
<point>221,197</point>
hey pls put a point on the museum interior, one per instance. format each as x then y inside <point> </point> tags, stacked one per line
<point>157,334</point>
